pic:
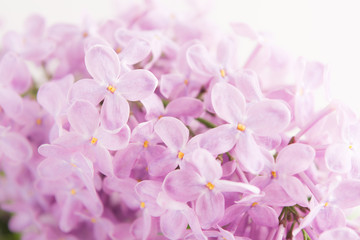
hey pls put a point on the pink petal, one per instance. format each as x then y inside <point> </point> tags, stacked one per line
<point>125,159</point>
<point>171,83</point>
<point>148,191</point>
<point>334,213</point>
<point>154,106</point>
<point>83,117</point>
<point>294,158</point>
<point>228,102</point>
<point>245,30</point>
<point>87,89</point>
<point>206,165</point>
<point>249,154</point>
<point>225,51</point>
<point>264,216</point>
<point>102,63</point>
<point>173,224</point>
<point>173,132</point>
<point>210,208</point>
<point>137,84</point>
<point>51,97</point>
<point>8,67</point>
<point>54,169</point>
<point>135,51</point>
<point>339,233</point>
<point>275,195</point>
<point>338,157</point>
<point>268,117</point>
<point>248,83</point>
<point>199,60</point>
<point>185,107</point>
<point>102,159</point>
<point>114,112</point>
<point>16,147</point>
<point>162,165</point>
<point>347,194</point>
<point>295,189</point>
<point>114,141</point>
<point>183,186</point>
<point>217,140</point>
<point>10,102</point>
<point>231,186</point>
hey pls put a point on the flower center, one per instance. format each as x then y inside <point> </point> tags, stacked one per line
<point>222,72</point>
<point>93,140</point>
<point>180,155</point>
<point>142,205</point>
<point>210,186</point>
<point>350,147</point>
<point>186,81</point>
<point>146,144</point>
<point>73,191</point>
<point>38,121</point>
<point>118,50</point>
<point>111,88</point>
<point>273,174</point>
<point>93,220</point>
<point>326,204</point>
<point>241,127</point>
<point>254,204</point>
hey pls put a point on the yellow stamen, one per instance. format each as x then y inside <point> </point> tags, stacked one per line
<point>186,82</point>
<point>146,144</point>
<point>254,204</point>
<point>73,164</point>
<point>111,88</point>
<point>93,140</point>
<point>85,34</point>
<point>147,169</point>
<point>73,191</point>
<point>38,121</point>
<point>350,147</point>
<point>142,205</point>
<point>241,127</point>
<point>118,50</point>
<point>326,204</point>
<point>210,186</point>
<point>160,116</point>
<point>273,173</point>
<point>180,155</point>
<point>222,73</point>
<point>93,220</point>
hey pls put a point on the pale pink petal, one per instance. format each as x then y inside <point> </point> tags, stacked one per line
<point>228,103</point>
<point>51,97</point>
<point>264,215</point>
<point>244,30</point>
<point>225,51</point>
<point>87,89</point>
<point>183,186</point>
<point>102,63</point>
<point>10,102</point>
<point>162,165</point>
<point>125,159</point>
<point>338,157</point>
<point>114,140</point>
<point>173,132</point>
<point>54,169</point>
<point>16,147</point>
<point>347,193</point>
<point>210,208</point>
<point>206,165</point>
<point>334,213</point>
<point>339,233</point>
<point>102,159</point>
<point>137,84</point>
<point>295,189</point>
<point>22,79</point>
<point>231,186</point>
<point>294,158</point>
<point>267,117</point>
<point>83,117</point>
<point>8,67</point>
<point>217,140</point>
<point>114,112</point>
<point>275,195</point>
<point>135,51</point>
<point>248,83</point>
<point>154,106</point>
<point>148,191</point>
<point>173,224</point>
<point>248,153</point>
<point>199,60</point>
<point>171,83</point>
<point>184,107</point>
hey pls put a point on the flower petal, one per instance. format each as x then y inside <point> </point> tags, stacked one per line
<point>84,117</point>
<point>347,193</point>
<point>185,107</point>
<point>228,102</point>
<point>338,157</point>
<point>231,186</point>
<point>102,63</point>
<point>173,224</point>
<point>267,117</point>
<point>114,141</point>
<point>295,189</point>
<point>87,89</point>
<point>339,233</point>
<point>264,216</point>
<point>210,208</point>
<point>173,132</point>
<point>137,84</point>
<point>294,158</point>
<point>114,112</point>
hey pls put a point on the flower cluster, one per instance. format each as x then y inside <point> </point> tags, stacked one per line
<point>153,125</point>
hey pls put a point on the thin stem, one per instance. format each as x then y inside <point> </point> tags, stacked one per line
<point>206,123</point>
<point>241,174</point>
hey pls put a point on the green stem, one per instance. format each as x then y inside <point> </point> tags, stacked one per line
<point>305,235</point>
<point>206,123</point>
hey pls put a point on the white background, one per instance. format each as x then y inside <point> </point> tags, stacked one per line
<point>325,30</point>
